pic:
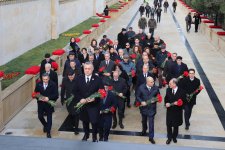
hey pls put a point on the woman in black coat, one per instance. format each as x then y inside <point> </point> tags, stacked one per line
<point>74,46</point>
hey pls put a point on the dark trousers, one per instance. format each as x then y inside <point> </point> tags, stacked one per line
<point>105,123</point>
<point>158,18</point>
<point>172,132</point>
<point>128,96</point>
<point>188,26</point>
<point>151,30</point>
<point>141,13</point>
<point>187,113</point>
<point>121,110</point>
<point>147,14</point>
<point>196,27</point>
<point>150,124</point>
<point>46,124</point>
<point>87,129</point>
<point>75,120</point>
<point>174,9</point>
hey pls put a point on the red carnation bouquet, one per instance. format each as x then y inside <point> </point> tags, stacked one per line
<point>133,56</point>
<point>158,99</point>
<point>179,103</point>
<point>117,62</point>
<point>54,65</point>
<point>198,90</point>
<point>110,88</point>
<point>164,62</point>
<point>39,97</point>
<point>132,73</point>
<point>137,104</point>
<point>100,94</point>
<point>185,74</point>
<point>103,70</point>
<point>108,110</point>
<point>1,74</point>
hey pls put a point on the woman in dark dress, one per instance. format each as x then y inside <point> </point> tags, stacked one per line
<point>74,46</point>
<point>106,10</point>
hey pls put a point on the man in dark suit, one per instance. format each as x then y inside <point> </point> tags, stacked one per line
<point>52,74</point>
<point>116,45</point>
<point>108,64</point>
<point>167,73</point>
<point>161,57</point>
<point>72,57</point>
<point>119,86</point>
<point>95,63</point>
<point>156,45</point>
<point>98,56</point>
<point>179,68</point>
<point>49,90</point>
<point>122,38</point>
<point>105,121</point>
<point>146,92</point>
<point>85,86</point>
<point>174,113</point>
<point>141,79</point>
<point>190,84</point>
<point>145,61</point>
<point>66,92</point>
<point>45,61</point>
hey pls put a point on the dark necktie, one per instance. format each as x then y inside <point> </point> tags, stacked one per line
<point>88,80</point>
<point>173,92</point>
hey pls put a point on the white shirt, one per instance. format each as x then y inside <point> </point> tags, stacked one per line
<point>145,75</point>
<point>45,85</point>
<point>89,77</point>
<point>149,88</point>
<point>192,79</point>
<point>175,90</point>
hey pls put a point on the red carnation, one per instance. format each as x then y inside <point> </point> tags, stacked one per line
<point>103,93</point>
<point>169,54</point>
<point>101,69</point>
<point>133,56</point>
<point>185,73</point>
<point>179,102</point>
<point>34,94</point>
<point>201,88</point>
<point>110,88</point>
<point>1,74</point>
<point>133,74</point>
<point>55,66</point>
<point>117,61</point>
<point>159,97</point>
<point>138,104</point>
<point>113,109</point>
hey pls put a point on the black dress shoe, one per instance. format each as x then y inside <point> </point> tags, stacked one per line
<point>143,133</point>
<point>44,129</point>
<point>129,106</point>
<point>101,139</point>
<point>187,128</point>
<point>121,125</point>
<point>175,140</point>
<point>105,140</point>
<point>168,141</point>
<point>49,135</point>
<point>76,132</point>
<point>152,140</point>
<point>94,140</point>
<point>85,138</point>
<point>114,125</point>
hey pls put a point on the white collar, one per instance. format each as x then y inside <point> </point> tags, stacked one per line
<point>88,77</point>
<point>175,90</point>
<point>148,86</point>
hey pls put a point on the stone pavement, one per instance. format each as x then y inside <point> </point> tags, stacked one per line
<point>206,128</point>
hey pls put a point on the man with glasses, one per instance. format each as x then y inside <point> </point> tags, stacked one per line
<point>190,85</point>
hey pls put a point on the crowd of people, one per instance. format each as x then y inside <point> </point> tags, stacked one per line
<point>133,63</point>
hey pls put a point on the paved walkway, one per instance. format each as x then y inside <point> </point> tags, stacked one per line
<point>206,129</point>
